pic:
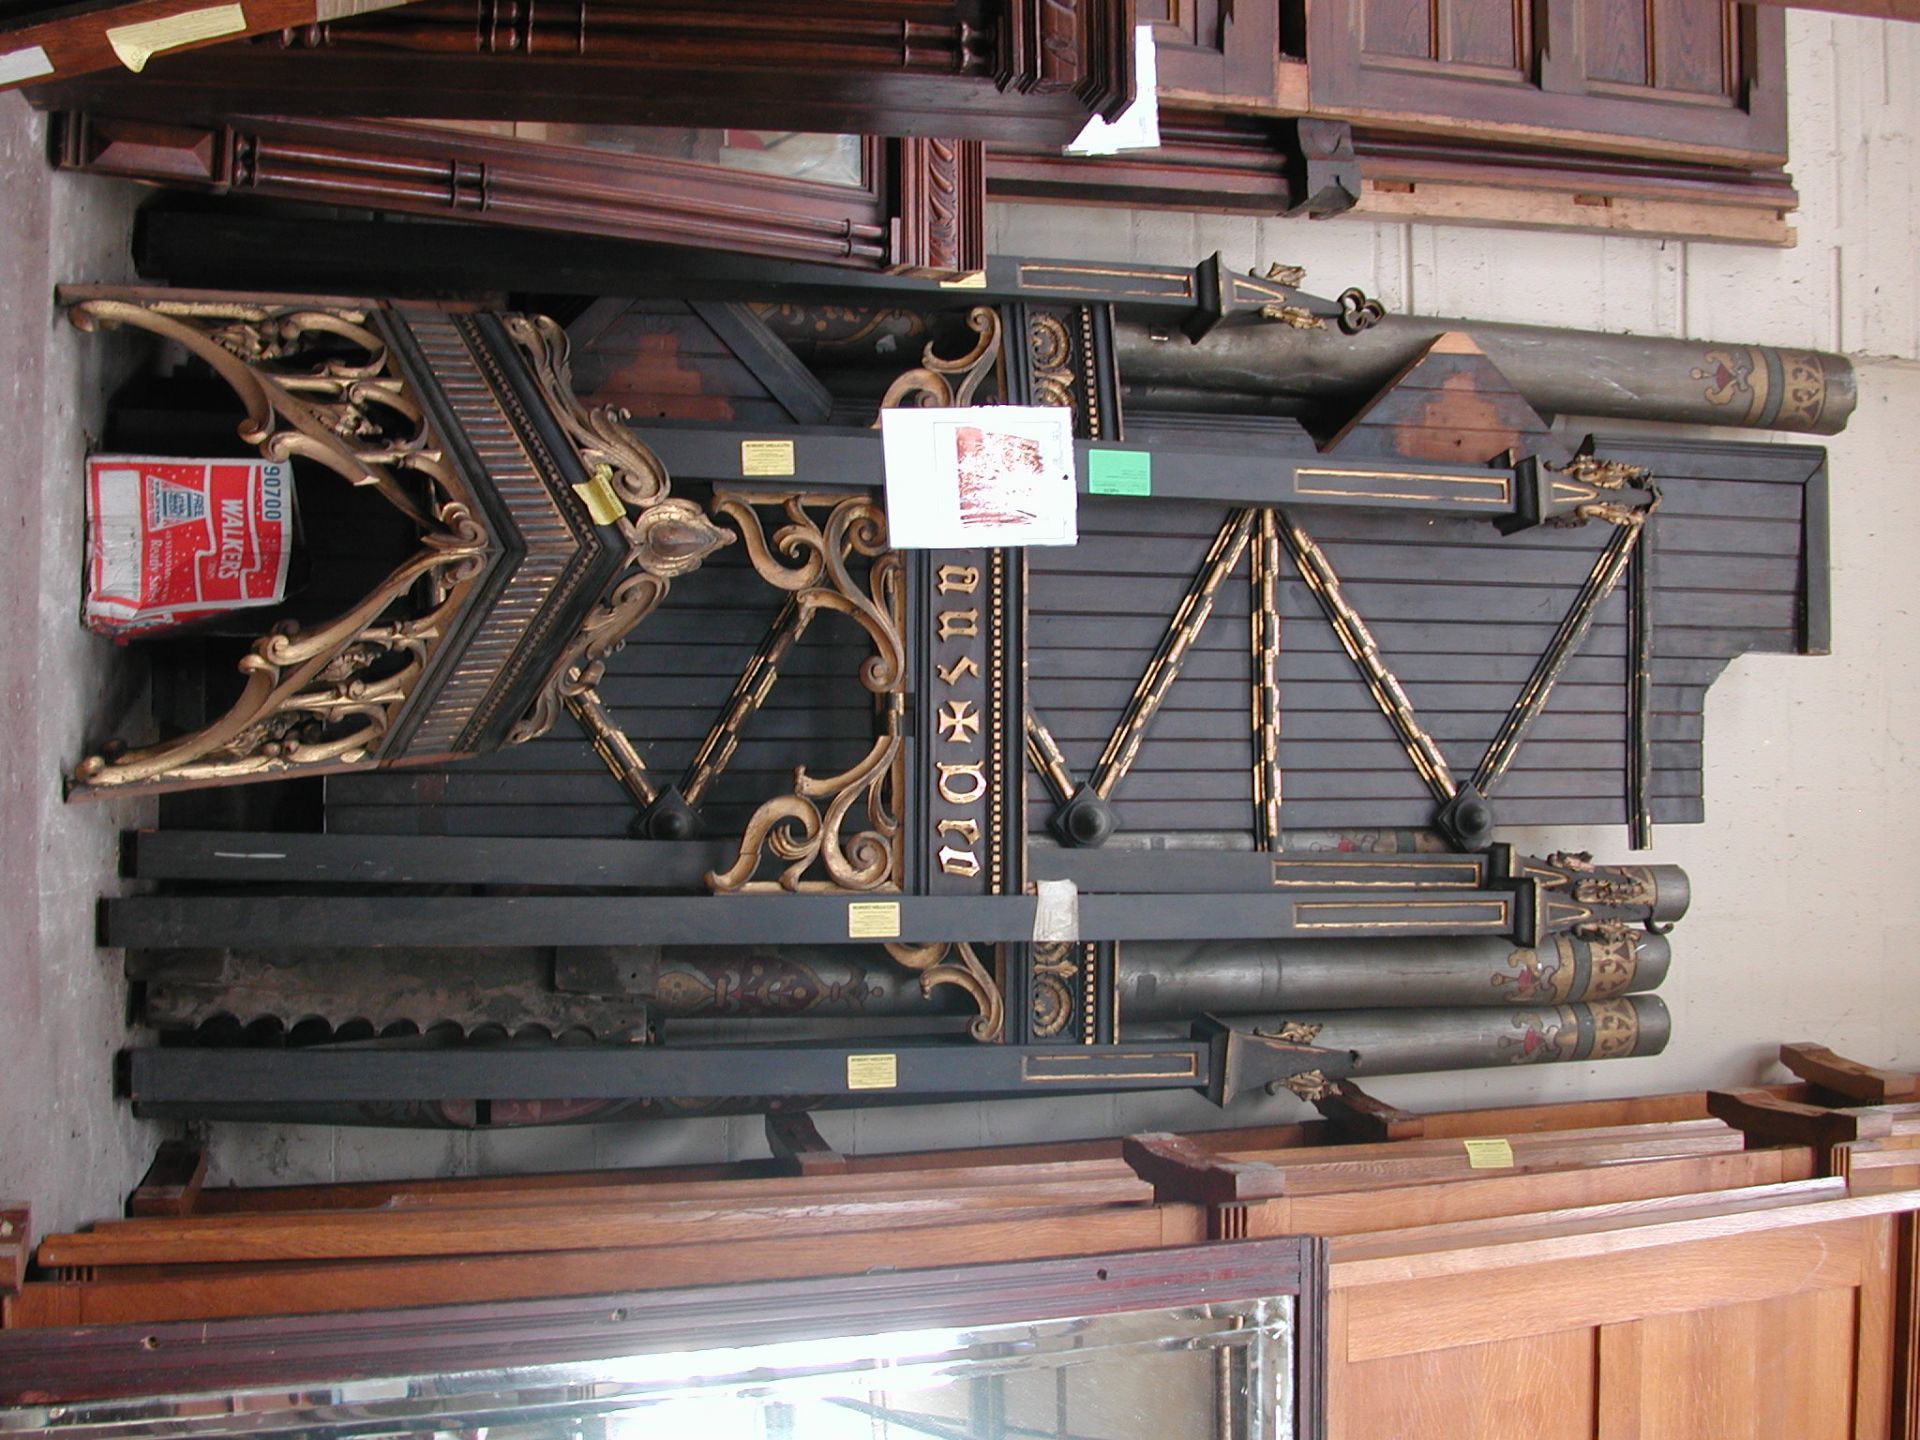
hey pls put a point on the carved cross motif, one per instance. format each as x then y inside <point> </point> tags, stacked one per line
<point>959,721</point>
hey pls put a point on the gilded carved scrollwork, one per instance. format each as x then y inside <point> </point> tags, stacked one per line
<point>665,537</point>
<point>1051,346</point>
<point>320,385</point>
<point>813,561</point>
<point>1056,979</point>
<point>600,433</point>
<point>957,964</point>
<point>943,383</point>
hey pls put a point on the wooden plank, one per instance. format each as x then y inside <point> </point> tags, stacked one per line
<point>1578,1289</point>
<point>1766,1119</point>
<point>80,39</point>
<point>1873,1334</point>
<point>373,1285</point>
<point>1620,1360</point>
<point>1543,1390</point>
<point>172,1182</point>
<point>1180,1170</point>
<point>1778,1365</point>
<point>1849,1078</point>
<point>1362,1211</point>
<point>797,1144</point>
<point>1407,1259</point>
<point>1356,1115</point>
<point>16,1244</point>
<point>352,1234</point>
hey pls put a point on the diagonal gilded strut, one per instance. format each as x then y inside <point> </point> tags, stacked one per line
<point>1265,642</point>
<point>1043,753</point>
<point>1183,629</point>
<point>750,692</point>
<point>612,744</point>
<point>1547,670</point>
<point>1364,651</point>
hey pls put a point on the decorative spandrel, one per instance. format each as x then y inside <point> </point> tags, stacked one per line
<point>545,533</point>
<point>814,560</point>
<point>319,384</point>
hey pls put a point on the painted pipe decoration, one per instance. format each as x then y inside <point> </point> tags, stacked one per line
<point>1250,365</point>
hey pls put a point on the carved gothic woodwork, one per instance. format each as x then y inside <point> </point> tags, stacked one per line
<point>1023,70</point>
<point>914,206</point>
<point>522,584</point>
<point>1070,809</point>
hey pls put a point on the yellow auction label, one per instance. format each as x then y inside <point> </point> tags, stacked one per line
<point>873,1072</point>
<point>134,45</point>
<point>1489,1154</point>
<point>601,501</point>
<point>766,457</point>
<point>873,920</point>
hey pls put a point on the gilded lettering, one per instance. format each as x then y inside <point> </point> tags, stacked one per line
<point>967,830</point>
<point>973,776</point>
<point>959,623</point>
<point>962,667</point>
<point>964,578</point>
<point>958,862</point>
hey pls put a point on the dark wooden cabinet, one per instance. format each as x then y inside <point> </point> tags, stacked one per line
<point>1679,79</point>
<point>1662,118</point>
<point>1216,52</point>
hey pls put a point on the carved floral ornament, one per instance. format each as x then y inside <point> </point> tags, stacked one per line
<point>812,560</point>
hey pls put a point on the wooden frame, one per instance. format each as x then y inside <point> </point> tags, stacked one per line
<point>1008,69</point>
<point>919,209</point>
<point>314,1350</point>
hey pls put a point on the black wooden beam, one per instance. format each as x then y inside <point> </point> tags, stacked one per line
<point>178,1078</point>
<point>278,858</point>
<point>297,920</point>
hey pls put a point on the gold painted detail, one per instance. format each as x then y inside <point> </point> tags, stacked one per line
<point>1310,1085</point>
<point>1043,753</point>
<point>958,965</point>
<point>316,384</point>
<point>1051,348</point>
<point>1364,651</point>
<point>1264,632</point>
<point>1616,1029</point>
<point>1612,963</point>
<point>1291,276</point>
<point>1163,668</point>
<point>600,435</point>
<point>1298,1032</point>
<point>944,383</point>
<point>813,561</point>
<point>1296,316</point>
<point>1056,976</point>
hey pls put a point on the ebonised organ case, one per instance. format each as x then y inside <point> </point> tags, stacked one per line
<point>1281,695</point>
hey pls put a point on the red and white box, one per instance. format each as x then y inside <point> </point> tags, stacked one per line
<point>171,541</point>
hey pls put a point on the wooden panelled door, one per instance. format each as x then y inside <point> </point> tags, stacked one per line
<point>1215,52</point>
<point>1773,1324</point>
<point>1699,78</point>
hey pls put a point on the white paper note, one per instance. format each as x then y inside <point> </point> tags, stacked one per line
<point>17,66</point>
<point>1138,127</point>
<point>983,476</point>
